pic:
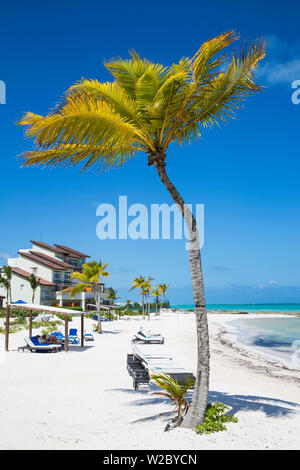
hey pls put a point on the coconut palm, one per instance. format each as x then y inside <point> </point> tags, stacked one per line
<point>5,281</point>
<point>163,288</point>
<point>137,283</point>
<point>112,295</point>
<point>145,109</point>
<point>175,392</point>
<point>146,289</point>
<point>34,283</point>
<point>156,292</point>
<point>89,278</point>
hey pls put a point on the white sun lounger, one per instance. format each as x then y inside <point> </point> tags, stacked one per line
<point>148,336</point>
<point>158,361</point>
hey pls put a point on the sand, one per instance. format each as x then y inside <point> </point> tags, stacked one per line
<point>84,399</point>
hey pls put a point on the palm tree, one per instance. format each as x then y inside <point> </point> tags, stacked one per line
<point>146,290</point>
<point>175,392</point>
<point>89,278</point>
<point>112,295</point>
<point>156,292</point>
<point>137,283</point>
<point>163,288</point>
<point>146,108</point>
<point>5,281</point>
<point>34,283</point>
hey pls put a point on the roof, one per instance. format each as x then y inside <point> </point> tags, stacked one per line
<point>46,308</point>
<point>48,247</point>
<point>22,273</point>
<point>72,252</point>
<point>60,249</point>
<point>46,260</point>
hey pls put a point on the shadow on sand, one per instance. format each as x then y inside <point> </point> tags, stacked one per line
<point>272,407</point>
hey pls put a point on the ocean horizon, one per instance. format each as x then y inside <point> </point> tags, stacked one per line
<point>251,308</point>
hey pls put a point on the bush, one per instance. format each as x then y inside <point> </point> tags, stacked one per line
<point>215,419</point>
<point>132,313</point>
<point>49,324</point>
<point>48,330</point>
<point>78,309</point>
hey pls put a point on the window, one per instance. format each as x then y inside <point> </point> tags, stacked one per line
<point>67,277</point>
<point>73,262</point>
<point>56,276</point>
<point>45,293</point>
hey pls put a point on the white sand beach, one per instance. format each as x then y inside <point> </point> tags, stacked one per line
<point>84,399</point>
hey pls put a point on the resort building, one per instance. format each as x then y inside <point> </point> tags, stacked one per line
<point>53,266</point>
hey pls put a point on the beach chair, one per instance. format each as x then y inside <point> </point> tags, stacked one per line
<point>60,337</point>
<point>88,336</point>
<point>34,345</point>
<point>73,336</point>
<point>148,336</point>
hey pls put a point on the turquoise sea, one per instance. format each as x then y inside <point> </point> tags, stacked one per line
<point>251,308</point>
<point>279,337</point>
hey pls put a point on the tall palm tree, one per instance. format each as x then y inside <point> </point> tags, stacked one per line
<point>146,290</point>
<point>34,283</point>
<point>137,283</point>
<point>112,295</point>
<point>163,288</point>
<point>89,278</point>
<point>156,292</point>
<point>5,281</point>
<point>146,108</point>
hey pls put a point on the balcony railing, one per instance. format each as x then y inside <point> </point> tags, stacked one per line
<point>60,285</point>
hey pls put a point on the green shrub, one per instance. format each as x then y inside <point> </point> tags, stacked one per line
<point>215,419</point>
<point>39,324</point>
<point>132,313</point>
<point>78,309</point>
<point>48,330</point>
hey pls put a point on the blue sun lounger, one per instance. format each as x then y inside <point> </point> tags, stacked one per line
<point>34,346</point>
<point>61,338</point>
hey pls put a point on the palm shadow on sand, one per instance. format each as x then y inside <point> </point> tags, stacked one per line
<point>272,407</point>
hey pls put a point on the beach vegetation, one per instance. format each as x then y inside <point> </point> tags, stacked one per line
<point>145,109</point>
<point>215,420</point>
<point>5,281</point>
<point>176,392</point>
<point>34,283</point>
<point>89,278</point>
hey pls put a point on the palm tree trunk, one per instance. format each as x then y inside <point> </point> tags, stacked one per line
<point>143,306</point>
<point>198,405</point>
<point>97,298</point>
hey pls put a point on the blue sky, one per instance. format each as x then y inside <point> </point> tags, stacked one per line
<point>246,173</point>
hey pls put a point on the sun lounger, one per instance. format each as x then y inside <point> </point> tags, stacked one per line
<point>60,337</point>
<point>88,337</point>
<point>148,336</point>
<point>157,360</point>
<point>73,337</point>
<point>34,345</point>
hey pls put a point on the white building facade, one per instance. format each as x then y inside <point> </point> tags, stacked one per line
<point>53,265</point>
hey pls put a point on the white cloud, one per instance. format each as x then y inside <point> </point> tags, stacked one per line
<point>270,283</point>
<point>280,73</point>
<point>281,65</point>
